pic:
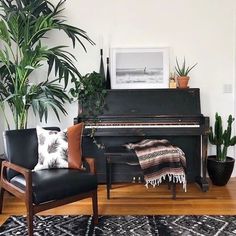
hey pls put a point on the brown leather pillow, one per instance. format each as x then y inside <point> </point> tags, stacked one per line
<point>74,137</point>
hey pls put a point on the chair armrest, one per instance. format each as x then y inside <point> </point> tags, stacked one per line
<point>91,163</point>
<point>15,167</point>
<point>21,170</point>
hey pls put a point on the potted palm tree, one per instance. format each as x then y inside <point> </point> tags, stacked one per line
<point>183,73</point>
<point>24,28</point>
<point>220,166</point>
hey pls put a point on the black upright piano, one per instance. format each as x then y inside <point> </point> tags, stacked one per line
<point>135,114</point>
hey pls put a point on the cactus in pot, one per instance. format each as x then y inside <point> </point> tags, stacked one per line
<point>222,139</point>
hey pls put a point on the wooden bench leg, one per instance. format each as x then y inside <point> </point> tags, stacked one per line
<point>169,185</point>
<point>173,190</point>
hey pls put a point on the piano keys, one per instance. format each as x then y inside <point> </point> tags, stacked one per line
<point>133,115</point>
<point>129,125</point>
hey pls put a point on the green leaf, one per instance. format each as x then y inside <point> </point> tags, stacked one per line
<point>4,35</point>
<point>184,69</point>
<point>24,30</point>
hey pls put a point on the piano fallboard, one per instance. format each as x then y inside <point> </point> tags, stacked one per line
<point>146,126</point>
<point>142,132</point>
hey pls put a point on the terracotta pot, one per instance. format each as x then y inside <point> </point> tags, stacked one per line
<point>183,81</point>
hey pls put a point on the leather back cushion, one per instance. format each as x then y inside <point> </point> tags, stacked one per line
<point>21,147</point>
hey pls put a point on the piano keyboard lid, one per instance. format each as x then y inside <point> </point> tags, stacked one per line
<point>152,102</point>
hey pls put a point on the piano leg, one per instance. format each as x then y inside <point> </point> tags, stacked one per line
<point>108,176</point>
<point>201,180</point>
<point>202,183</point>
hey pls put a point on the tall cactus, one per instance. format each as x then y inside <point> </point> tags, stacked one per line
<point>221,139</point>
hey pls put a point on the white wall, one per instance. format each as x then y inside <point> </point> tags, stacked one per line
<point>202,31</point>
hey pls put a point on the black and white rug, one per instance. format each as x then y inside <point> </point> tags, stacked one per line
<point>123,225</point>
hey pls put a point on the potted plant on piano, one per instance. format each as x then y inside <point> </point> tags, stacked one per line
<point>183,73</point>
<point>90,93</point>
<point>220,166</point>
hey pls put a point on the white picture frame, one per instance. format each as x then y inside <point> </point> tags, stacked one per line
<point>139,68</point>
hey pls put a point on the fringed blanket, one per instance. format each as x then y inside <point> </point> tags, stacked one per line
<point>160,160</point>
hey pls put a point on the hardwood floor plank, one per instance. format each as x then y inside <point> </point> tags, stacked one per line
<point>135,199</point>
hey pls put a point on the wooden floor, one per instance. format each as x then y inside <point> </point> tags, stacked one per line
<point>135,199</point>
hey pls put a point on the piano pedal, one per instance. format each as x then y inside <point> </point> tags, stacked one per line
<point>134,180</point>
<point>139,179</point>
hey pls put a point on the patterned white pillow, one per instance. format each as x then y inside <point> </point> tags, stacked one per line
<point>52,149</point>
<point>60,149</point>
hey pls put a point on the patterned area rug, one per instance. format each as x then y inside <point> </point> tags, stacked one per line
<point>123,225</point>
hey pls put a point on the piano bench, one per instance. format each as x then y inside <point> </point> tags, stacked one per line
<point>121,155</point>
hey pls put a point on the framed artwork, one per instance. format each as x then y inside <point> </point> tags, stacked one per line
<point>139,68</point>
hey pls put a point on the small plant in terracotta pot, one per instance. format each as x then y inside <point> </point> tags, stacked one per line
<point>182,73</point>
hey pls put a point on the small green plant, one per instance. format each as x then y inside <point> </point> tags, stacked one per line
<point>222,139</point>
<point>90,92</point>
<point>183,70</point>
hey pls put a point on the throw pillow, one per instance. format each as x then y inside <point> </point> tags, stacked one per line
<point>59,149</point>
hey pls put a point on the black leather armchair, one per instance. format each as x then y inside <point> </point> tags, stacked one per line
<point>43,189</point>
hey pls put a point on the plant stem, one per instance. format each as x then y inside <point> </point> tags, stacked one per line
<point>224,152</point>
<point>218,152</point>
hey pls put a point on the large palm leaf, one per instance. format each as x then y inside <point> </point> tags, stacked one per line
<point>23,25</point>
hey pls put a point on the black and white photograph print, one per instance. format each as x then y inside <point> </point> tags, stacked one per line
<point>139,68</point>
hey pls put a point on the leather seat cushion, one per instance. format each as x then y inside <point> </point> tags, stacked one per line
<point>55,184</point>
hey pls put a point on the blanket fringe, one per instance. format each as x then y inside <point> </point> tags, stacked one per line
<point>171,177</point>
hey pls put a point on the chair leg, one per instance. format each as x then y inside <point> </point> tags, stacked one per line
<point>30,216</point>
<point>2,190</point>
<point>95,207</point>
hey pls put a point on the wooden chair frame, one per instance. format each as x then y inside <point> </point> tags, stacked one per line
<point>26,195</point>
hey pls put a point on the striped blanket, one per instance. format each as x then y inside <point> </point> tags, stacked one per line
<point>160,160</point>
